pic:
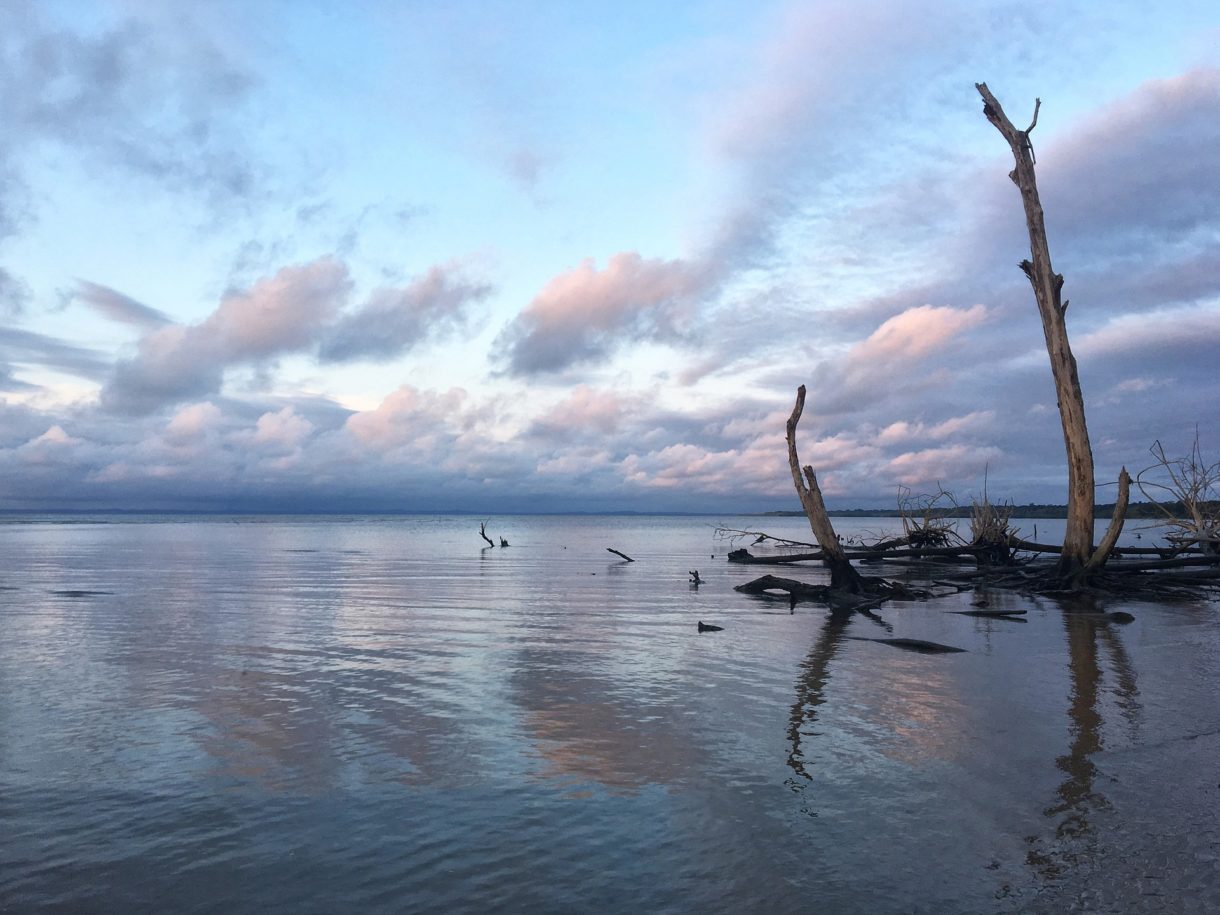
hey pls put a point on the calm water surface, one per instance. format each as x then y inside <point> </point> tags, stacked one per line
<point>304,715</point>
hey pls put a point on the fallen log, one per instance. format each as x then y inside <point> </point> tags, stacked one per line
<point>768,584</point>
<point>1152,565</point>
<point>745,556</point>
<point>1166,552</point>
<point>617,553</point>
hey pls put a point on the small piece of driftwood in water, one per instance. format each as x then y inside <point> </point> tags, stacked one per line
<point>911,644</point>
<point>707,627</point>
<point>694,578</point>
<point>1012,617</point>
<point>503,542</point>
<point>990,612</point>
<point>617,553</point>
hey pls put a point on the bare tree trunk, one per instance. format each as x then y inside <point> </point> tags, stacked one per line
<point>843,575</point>
<point>1078,539</point>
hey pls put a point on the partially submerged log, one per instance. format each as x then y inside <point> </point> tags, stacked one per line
<point>617,553</point>
<point>770,584</point>
<point>911,645</point>
<point>1007,617</point>
<point>992,613</point>
<point>931,552</point>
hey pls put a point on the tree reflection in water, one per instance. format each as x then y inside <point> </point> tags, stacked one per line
<point>810,689</point>
<point>1078,797</point>
<point>1095,651</point>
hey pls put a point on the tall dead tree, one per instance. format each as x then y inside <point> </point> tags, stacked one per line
<point>843,575</point>
<point>1077,560</point>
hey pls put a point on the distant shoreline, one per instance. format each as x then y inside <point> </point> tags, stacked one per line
<point>1137,510</point>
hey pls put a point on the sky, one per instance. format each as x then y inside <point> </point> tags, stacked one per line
<point>530,256</point>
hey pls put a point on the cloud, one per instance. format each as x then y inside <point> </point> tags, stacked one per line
<point>277,315</point>
<point>300,309</point>
<point>816,60</point>
<point>14,294</point>
<point>1143,167</point>
<point>1170,337</point>
<point>904,431</point>
<point>409,416</point>
<point>394,321</point>
<point>284,429</point>
<point>193,422</point>
<point>585,412</point>
<point>889,356</point>
<point>150,96</point>
<point>282,313</point>
<point>118,307</point>
<point>23,347</point>
<point>525,167</point>
<point>950,462</point>
<point>584,314</point>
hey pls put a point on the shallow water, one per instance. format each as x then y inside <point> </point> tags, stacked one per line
<point>295,714</point>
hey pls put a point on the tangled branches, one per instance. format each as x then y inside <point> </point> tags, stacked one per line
<point>1189,493</point>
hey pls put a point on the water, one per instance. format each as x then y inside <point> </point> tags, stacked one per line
<point>375,714</point>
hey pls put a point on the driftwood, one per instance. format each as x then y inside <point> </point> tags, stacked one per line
<point>617,553</point>
<point>1012,616</point>
<point>745,556</point>
<point>842,575</point>
<point>483,533</point>
<point>768,584</point>
<point>911,645</point>
<point>1078,561</point>
<point>1047,285</point>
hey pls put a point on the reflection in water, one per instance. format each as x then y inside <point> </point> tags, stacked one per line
<point>1078,795</point>
<point>583,728</point>
<point>810,688</point>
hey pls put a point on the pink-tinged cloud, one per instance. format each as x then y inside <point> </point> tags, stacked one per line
<point>582,315</point>
<point>756,467</point>
<point>55,446</point>
<point>298,310</point>
<point>915,333</point>
<point>277,315</point>
<point>193,422</point>
<point>905,431</point>
<point>285,429</point>
<point>585,411</point>
<point>895,357</point>
<point>282,313</point>
<point>948,463</point>
<point>54,437</point>
<point>409,418</point>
